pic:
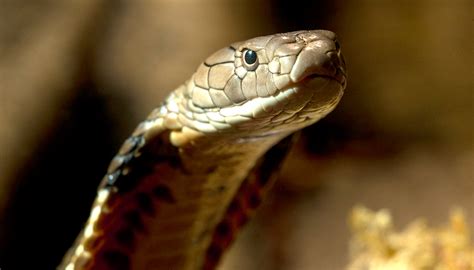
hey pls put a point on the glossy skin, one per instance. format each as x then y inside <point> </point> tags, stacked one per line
<point>191,174</point>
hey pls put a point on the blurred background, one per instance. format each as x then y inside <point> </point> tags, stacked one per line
<point>77,76</point>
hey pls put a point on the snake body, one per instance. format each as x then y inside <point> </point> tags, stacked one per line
<point>195,170</point>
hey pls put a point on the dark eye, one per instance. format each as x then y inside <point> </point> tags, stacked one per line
<point>250,59</point>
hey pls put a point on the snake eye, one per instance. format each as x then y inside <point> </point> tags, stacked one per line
<point>250,59</point>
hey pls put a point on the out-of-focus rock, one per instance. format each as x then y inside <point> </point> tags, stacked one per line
<point>376,245</point>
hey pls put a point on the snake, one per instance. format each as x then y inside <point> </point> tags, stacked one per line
<point>195,170</point>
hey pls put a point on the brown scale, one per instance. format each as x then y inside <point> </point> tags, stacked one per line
<point>248,198</point>
<point>120,240</point>
<point>114,245</point>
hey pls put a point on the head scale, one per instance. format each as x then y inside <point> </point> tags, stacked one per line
<point>267,84</point>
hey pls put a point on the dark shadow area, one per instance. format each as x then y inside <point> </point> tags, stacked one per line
<point>57,185</point>
<point>300,14</point>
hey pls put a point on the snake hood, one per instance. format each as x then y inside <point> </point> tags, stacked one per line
<point>264,85</point>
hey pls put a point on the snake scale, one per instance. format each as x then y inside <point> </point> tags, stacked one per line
<point>191,174</point>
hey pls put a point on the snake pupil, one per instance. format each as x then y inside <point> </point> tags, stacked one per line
<point>250,57</point>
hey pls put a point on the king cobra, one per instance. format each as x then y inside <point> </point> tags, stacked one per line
<point>192,174</point>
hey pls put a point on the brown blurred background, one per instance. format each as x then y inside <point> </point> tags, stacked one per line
<point>77,76</point>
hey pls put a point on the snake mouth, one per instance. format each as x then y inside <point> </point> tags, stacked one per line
<point>339,78</point>
<point>330,72</point>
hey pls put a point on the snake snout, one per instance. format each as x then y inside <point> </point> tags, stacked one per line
<point>321,57</point>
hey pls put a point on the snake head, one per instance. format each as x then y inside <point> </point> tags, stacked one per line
<point>268,84</point>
